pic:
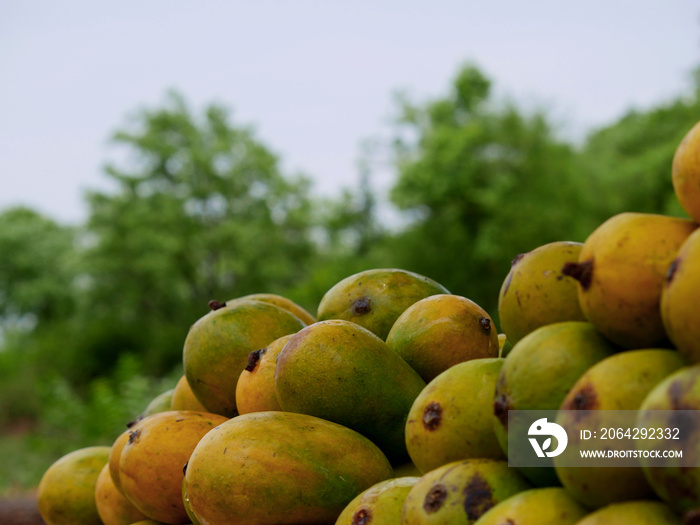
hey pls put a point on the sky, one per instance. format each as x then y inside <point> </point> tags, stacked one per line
<point>314,78</point>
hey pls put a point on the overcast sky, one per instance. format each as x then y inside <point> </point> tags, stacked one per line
<point>314,77</point>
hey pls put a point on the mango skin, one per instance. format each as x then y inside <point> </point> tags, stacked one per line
<point>451,418</point>
<point>546,506</point>
<point>112,505</point>
<point>339,371</point>
<point>255,391</point>
<point>679,296</point>
<point>280,468</point>
<point>114,457</point>
<point>440,331</point>
<point>461,492</point>
<point>217,347</point>
<point>160,403</point>
<point>685,172</point>
<point>621,272</point>
<point>152,461</point>
<point>184,399</point>
<point>66,492</point>
<point>535,293</point>
<point>374,299</point>
<point>380,504</point>
<point>618,382</point>
<point>538,373</point>
<point>281,302</point>
<point>632,512</point>
<point>678,487</point>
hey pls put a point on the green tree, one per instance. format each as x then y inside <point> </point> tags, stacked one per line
<point>37,269</point>
<point>628,163</point>
<point>481,181</point>
<point>201,211</point>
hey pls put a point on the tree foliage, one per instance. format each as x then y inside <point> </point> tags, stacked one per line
<point>201,211</point>
<point>483,181</point>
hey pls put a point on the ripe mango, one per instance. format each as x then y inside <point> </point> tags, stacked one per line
<point>218,344</point>
<point>255,391</point>
<point>535,293</point>
<point>115,454</point>
<point>632,512</point>
<point>678,486</point>
<point>152,460</point>
<point>621,273</point>
<point>339,371</point>
<point>679,296</point>
<point>280,468</point>
<point>546,506</point>
<point>281,302</point>
<point>66,493</point>
<point>380,504</point>
<point>440,331</point>
<point>112,506</point>
<point>686,172</point>
<point>538,373</point>
<point>184,399</point>
<point>618,382</point>
<point>451,418</point>
<point>374,299</point>
<point>461,492</point>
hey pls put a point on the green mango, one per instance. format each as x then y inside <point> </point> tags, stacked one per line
<point>380,504</point>
<point>678,486</point>
<point>451,418</point>
<point>539,372</point>
<point>535,293</point>
<point>632,512</point>
<point>460,493</point>
<point>374,299</point>
<point>339,371</point>
<point>545,506</point>
<point>618,382</point>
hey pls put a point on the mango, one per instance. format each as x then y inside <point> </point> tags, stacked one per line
<point>685,172</point>
<point>539,372</point>
<point>461,492</point>
<point>281,302</point>
<point>115,455</point>
<point>280,468</point>
<point>535,293</point>
<point>440,331</point>
<point>217,347</point>
<point>339,371</point>
<point>152,461</point>
<point>112,506</point>
<point>184,399</point>
<point>632,512</point>
<point>381,504</point>
<point>374,299</point>
<point>160,403</point>
<point>545,506</point>
<point>255,391</point>
<point>621,272</point>
<point>618,382</point>
<point>66,493</point>
<point>678,297</point>
<point>451,418</point>
<point>676,485</point>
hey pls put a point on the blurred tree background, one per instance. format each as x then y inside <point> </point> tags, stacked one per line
<point>92,318</point>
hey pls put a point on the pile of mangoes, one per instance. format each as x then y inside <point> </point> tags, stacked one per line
<point>392,406</point>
